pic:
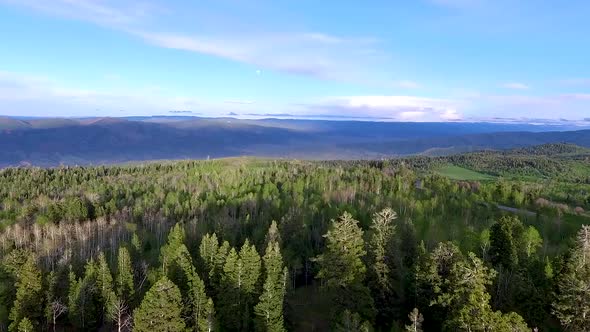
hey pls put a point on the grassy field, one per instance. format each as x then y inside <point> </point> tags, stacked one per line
<point>460,173</point>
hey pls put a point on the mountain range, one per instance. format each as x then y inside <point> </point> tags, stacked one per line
<point>88,141</point>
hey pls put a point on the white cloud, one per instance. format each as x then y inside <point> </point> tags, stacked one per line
<point>515,86</point>
<point>400,108</point>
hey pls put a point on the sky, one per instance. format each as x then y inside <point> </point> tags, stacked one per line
<point>390,60</point>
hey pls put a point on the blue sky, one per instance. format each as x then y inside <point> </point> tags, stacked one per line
<point>420,60</point>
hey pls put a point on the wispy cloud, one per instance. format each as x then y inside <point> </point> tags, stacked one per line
<point>108,12</point>
<point>515,86</point>
<point>240,102</point>
<point>404,84</point>
<point>307,53</point>
<point>317,55</point>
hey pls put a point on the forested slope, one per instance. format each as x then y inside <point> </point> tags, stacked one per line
<point>249,244</point>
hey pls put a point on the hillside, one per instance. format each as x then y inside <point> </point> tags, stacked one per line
<point>91,141</point>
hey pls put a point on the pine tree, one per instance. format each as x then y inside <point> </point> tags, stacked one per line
<point>230,295</point>
<point>208,252</point>
<point>160,309</point>
<point>29,297</point>
<point>342,270</point>
<point>168,252</point>
<point>381,238</point>
<point>124,280</point>
<point>380,260</point>
<point>572,305</point>
<point>505,238</point>
<point>252,265</point>
<point>104,283</point>
<point>270,308</point>
<point>199,305</point>
<point>467,299</point>
<point>341,263</point>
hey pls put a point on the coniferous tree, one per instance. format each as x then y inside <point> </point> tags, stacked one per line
<point>28,303</point>
<point>380,261</point>
<point>200,306</point>
<point>231,298</point>
<point>572,304</point>
<point>208,251</point>
<point>342,269</point>
<point>104,283</point>
<point>270,308</point>
<point>124,280</point>
<point>160,309</point>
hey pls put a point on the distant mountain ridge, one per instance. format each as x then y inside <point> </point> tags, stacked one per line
<point>90,141</point>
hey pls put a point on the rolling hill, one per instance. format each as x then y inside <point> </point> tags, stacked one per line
<point>51,142</point>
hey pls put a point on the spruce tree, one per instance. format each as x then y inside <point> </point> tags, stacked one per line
<point>124,280</point>
<point>29,297</point>
<point>270,308</point>
<point>342,270</point>
<point>104,283</point>
<point>572,304</point>
<point>208,251</point>
<point>230,296</point>
<point>200,306</point>
<point>160,309</point>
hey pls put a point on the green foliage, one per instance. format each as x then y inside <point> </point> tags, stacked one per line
<point>352,322</point>
<point>124,280</point>
<point>572,305</point>
<point>160,309</point>
<point>270,306</point>
<point>25,325</point>
<point>28,303</point>
<point>341,264</point>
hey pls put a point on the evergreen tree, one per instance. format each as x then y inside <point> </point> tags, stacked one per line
<point>231,298</point>
<point>505,236</point>
<point>341,267</point>
<point>270,308</point>
<point>160,309</point>
<point>572,304</point>
<point>176,238</point>
<point>29,297</point>
<point>124,280</point>
<point>200,306</point>
<point>104,283</point>
<point>251,264</point>
<point>467,298</point>
<point>208,252</point>
<point>381,253</point>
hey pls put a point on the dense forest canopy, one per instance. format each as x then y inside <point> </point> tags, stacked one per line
<point>487,241</point>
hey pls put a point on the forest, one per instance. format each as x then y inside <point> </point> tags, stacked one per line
<point>485,241</point>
